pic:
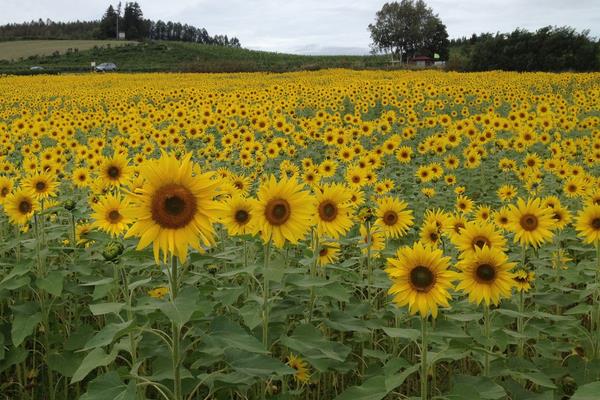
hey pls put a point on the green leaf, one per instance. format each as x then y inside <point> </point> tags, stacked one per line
<point>23,326</point>
<point>536,377</point>
<point>94,359</point>
<point>106,336</point>
<point>483,387</point>
<point>52,283</point>
<point>376,388</point>
<point>182,309</point>
<point>587,392</point>
<point>228,334</point>
<point>106,308</point>
<point>403,333</point>
<point>318,351</point>
<point>256,364</point>
<point>109,387</point>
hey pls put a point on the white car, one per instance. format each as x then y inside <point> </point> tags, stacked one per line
<point>106,67</point>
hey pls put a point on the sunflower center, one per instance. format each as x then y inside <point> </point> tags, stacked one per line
<point>433,236</point>
<point>40,186</point>
<point>529,222</point>
<point>113,172</point>
<point>242,216</point>
<point>485,273</point>
<point>277,212</point>
<point>4,192</point>
<point>422,278</point>
<point>390,218</point>
<point>596,223</point>
<point>328,211</point>
<point>173,206</point>
<point>480,241</point>
<point>25,207</point>
<point>323,252</point>
<point>114,216</point>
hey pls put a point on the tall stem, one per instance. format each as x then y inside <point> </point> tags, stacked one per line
<point>486,328</point>
<point>176,333</point>
<point>520,322</point>
<point>266,295</point>
<point>424,345</point>
<point>597,303</point>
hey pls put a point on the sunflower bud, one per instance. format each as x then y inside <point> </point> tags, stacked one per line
<point>69,205</point>
<point>112,251</point>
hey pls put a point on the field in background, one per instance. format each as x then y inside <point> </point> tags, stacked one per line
<point>14,50</point>
<point>182,57</point>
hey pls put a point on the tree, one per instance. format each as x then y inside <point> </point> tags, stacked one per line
<point>134,25</point>
<point>107,24</point>
<point>408,28</point>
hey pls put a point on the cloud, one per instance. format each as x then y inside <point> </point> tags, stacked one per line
<point>320,26</point>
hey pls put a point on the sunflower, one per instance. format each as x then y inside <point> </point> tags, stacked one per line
<point>6,187</point>
<point>115,171</point>
<point>80,177</point>
<point>81,232</point>
<point>302,374</point>
<point>284,211</point>
<point>20,206</point>
<point>334,210</point>
<point>43,185</point>
<point>110,214</point>
<point>430,234</point>
<point>502,217</point>
<point>329,253</point>
<point>531,222</point>
<point>237,215</point>
<point>464,204</point>
<point>159,292</point>
<point>476,235</point>
<point>523,280</point>
<point>420,278</point>
<point>485,275</point>
<point>588,223</point>
<point>561,216</point>
<point>393,218</point>
<point>174,209</point>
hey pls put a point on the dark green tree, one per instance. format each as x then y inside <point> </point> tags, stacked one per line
<point>108,28</point>
<point>134,25</point>
<point>408,28</point>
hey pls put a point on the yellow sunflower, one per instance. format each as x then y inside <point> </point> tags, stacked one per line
<point>588,223</point>
<point>110,214</point>
<point>329,253</point>
<point>476,235</point>
<point>373,239</point>
<point>523,280</point>
<point>237,215</point>
<point>485,275</point>
<point>174,209</point>
<point>6,187</point>
<point>20,206</point>
<point>43,185</point>
<point>334,210</point>
<point>115,171</point>
<point>302,374</point>
<point>284,211</point>
<point>531,222</point>
<point>420,278</point>
<point>393,217</point>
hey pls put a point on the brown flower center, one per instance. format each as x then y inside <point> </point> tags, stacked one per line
<point>40,186</point>
<point>529,222</point>
<point>596,223</point>
<point>480,241</point>
<point>323,252</point>
<point>4,192</point>
<point>277,212</point>
<point>328,210</point>
<point>114,216</point>
<point>422,279</point>
<point>485,273</point>
<point>25,207</point>
<point>390,218</point>
<point>173,206</point>
<point>113,172</point>
<point>242,217</point>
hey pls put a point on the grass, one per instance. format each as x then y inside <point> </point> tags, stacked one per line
<point>188,57</point>
<point>22,49</point>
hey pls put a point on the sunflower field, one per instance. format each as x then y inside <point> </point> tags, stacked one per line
<point>349,235</point>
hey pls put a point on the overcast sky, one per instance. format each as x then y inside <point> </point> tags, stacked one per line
<point>320,26</point>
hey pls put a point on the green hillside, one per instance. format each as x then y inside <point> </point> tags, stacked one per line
<point>20,49</point>
<point>186,57</point>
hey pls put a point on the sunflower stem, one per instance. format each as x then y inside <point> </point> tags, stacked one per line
<point>486,328</point>
<point>313,273</point>
<point>424,344</point>
<point>597,303</point>
<point>520,323</point>
<point>176,334</point>
<point>265,288</point>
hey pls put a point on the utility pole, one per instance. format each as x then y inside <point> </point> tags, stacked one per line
<point>118,16</point>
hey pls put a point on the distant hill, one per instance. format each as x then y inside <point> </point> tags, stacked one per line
<point>174,57</point>
<point>15,50</point>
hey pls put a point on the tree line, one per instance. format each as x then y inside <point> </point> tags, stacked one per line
<point>547,49</point>
<point>129,21</point>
